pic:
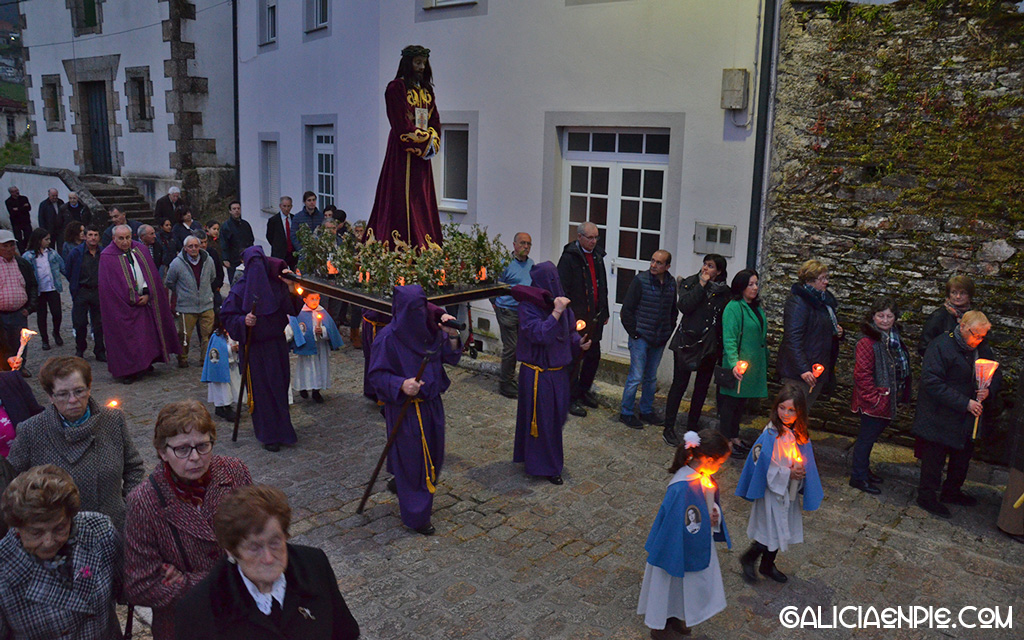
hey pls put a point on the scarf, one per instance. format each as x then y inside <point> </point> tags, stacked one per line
<point>190,491</point>
<point>894,345</point>
<point>958,336</point>
<point>956,312</point>
<point>831,312</point>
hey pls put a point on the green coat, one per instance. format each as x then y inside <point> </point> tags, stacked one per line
<point>739,318</point>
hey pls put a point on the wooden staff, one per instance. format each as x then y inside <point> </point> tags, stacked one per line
<point>245,371</point>
<point>394,434</point>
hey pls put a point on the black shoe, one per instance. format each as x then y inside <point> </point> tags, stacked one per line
<point>670,437</point>
<point>273,447</point>
<point>46,346</point>
<point>960,498</point>
<point>102,357</point>
<point>304,393</point>
<point>589,399</point>
<point>317,398</point>
<point>509,392</point>
<point>748,559</point>
<point>631,421</point>
<point>228,414</point>
<point>129,379</point>
<point>652,418</point>
<point>58,340</point>
<point>393,486</point>
<point>578,411</point>
<point>426,530</point>
<point>773,572</point>
<point>865,486</point>
<point>81,354</point>
<point>555,479</point>
<point>875,479</point>
<point>934,507</point>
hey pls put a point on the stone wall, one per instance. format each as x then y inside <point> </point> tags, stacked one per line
<point>897,157</point>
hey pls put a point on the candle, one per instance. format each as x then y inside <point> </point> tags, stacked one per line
<point>113,404</point>
<point>441,278</point>
<point>331,269</point>
<point>401,281</point>
<point>817,370</point>
<point>26,335</point>
<point>983,371</point>
<point>581,325</point>
<point>705,480</point>
<point>482,274</point>
<point>742,365</point>
<point>299,290</point>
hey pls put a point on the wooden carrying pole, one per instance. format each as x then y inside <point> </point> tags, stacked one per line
<point>245,372</point>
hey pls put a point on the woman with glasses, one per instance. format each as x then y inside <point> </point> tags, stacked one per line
<point>264,587</point>
<point>810,333</point>
<point>169,541</point>
<point>89,441</point>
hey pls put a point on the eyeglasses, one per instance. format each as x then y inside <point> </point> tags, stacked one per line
<point>78,393</point>
<point>253,549</point>
<point>184,451</point>
<point>590,237</point>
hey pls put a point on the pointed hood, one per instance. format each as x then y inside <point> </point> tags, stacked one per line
<point>414,324</point>
<point>545,276</point>
<point>258,281</point>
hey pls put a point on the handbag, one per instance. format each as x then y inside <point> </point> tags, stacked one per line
<point>723,375</point>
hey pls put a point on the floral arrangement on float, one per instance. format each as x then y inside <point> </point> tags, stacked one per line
<point>465,260</point>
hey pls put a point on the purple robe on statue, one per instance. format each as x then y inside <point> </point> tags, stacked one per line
<point>405,200</point>
<point>546,344</point>
<point>136,336</point>
<point>268,354</point>
<point>417,455</point>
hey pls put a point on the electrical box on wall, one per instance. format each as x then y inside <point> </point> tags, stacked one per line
<point>734,88</point>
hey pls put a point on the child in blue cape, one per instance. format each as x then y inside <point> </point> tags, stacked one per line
<point>683,580</point>
<point>781,479</point>
<point>314,336</point>
<point>220,372</point>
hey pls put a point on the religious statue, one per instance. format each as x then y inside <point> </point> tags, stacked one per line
<point>405,207</point>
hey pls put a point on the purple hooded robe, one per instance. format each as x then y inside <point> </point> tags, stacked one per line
<point>268,355</point>
<point>373,321</point>
<point>136,336</point>
<point>547,344</point>
<point>417,454</point>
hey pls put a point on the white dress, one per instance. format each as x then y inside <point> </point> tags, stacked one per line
<point>694,598</point>
<point>314,372</point>
<point>222,394</point>
<point>776,520</point>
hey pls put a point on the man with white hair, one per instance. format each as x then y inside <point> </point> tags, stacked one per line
<point>49,211</point>
<point>136,313</point>
<point>170,207</point>
<point>190,281</point>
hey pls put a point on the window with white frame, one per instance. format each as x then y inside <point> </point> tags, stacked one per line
<point>53,102</point>
<point>438,4</point>
<point>270,176</point>
<point>317,14</point>
<point>323,164</point>
<point>268,21</point>
<point>714,238</point>
<point>453,167</point>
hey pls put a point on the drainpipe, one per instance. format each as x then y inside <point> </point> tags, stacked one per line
<point>234,69</point>
<point>762,152</point>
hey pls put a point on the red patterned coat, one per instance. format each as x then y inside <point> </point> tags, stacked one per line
<point>163,529</point>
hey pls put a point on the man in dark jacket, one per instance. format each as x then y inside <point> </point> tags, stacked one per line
<point>581,271</point>
<point>279,233</point>
<point>73,210</point>
<point>648,315</point>
<point>20,211</point>
<point>235,237</point>
<point>82,272</point>
<point>948,403</point>
<point>170,207</point>
<point>18,295</point>
<point>49,210</point>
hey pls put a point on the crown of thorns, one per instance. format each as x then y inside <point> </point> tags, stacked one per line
<point>414,50</point>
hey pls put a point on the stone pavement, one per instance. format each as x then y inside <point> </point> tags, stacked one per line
<point>516,557</point>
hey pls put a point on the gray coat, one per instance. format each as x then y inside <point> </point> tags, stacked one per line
<point>182,283</point>
<point>99,454</point>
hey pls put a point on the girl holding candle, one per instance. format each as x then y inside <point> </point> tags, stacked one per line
<point>314,335</point>
<point>781,479</point>
<point>683,580</point>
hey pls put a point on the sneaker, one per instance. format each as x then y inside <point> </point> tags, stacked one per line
<point>652,418</point>
<point>933,506</point>
<point>589,399</point>
<point>670,437</point>
<point>959,497</point>
<point>576,410</point>
<point>631,421</point>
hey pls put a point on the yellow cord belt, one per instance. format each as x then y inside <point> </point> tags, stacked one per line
<point>376,325</point>
<point>428,462</point>
<point>536,378</point>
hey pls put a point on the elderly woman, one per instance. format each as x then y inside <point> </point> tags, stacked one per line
<point>89,441</point>
<point>959,293</point>
<point>62,567</point>
<point>881,381</point>
<point>265,587</point>
<point>948,403</point>
<point>169,541</point>
<point>811,332</point>
<point>744,339</point>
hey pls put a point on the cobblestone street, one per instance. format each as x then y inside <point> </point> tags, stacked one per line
<point>516,557</point>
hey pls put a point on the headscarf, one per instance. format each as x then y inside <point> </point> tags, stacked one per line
<point>545,276</point>
<point>414,326</point>
<point>260,279</point>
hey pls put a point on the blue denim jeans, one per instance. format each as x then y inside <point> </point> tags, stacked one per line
<point>643,372</point>
<point>870,428</point>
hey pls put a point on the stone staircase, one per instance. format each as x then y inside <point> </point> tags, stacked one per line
<point>126,198</point>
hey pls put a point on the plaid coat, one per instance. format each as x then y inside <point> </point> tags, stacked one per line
<point>99,454</point>
<point>37,603</point>
<point>162,529</point>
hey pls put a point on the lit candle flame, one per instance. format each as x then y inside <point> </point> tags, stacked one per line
<point>441,279</point>
<point>482,274</point>
<point>299,290</point>
<point>581,325</point>
<point>26,335</point>
<point>367,277</point>
<point>705,480</point>
<point>983,371</point>
<point>113,404</point>
<point>817,370</point>
<point>319,316</point>
<point>793,453</point>
<point>401,281</point>
<point>331,269</point>
<point>742,365</point>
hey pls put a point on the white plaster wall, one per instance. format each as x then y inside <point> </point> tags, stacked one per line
<point>49,37</point>
<point>33,187</point>
<point>211,33</point>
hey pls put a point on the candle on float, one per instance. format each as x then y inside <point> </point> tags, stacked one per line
<point>331,269</point>
<point>26,335</point>
<point>482,274</point>
<point>401,281</point>
<point>742,365</point>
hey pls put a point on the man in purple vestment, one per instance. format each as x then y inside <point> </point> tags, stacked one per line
<point>548,342</point>
<point>405,207</point>
<point>412,337</point>
<point>261,301</point>
<point>138,325</point>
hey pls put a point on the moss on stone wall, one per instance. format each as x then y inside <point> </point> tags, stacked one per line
<point>898,148</point>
